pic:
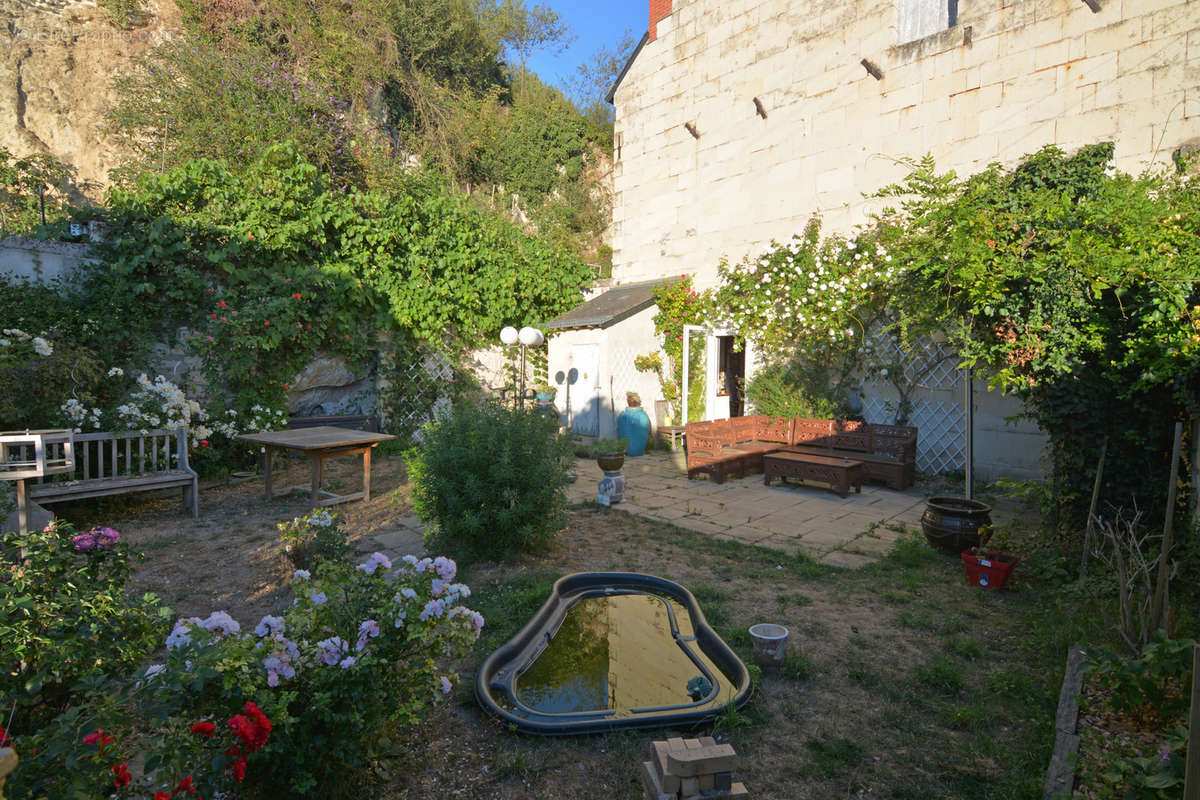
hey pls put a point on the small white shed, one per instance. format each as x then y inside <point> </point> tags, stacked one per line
<point>591,353</point>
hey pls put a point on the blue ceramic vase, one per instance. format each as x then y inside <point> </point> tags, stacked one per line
<point>634,425</point>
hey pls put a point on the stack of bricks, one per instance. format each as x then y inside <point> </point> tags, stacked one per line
<point>691,769</point>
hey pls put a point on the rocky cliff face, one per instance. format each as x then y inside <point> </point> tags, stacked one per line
<point>56,78</point>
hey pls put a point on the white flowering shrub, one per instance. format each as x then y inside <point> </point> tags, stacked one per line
<point>355,656</point>
<point>15,343</point>
<point>807,294</point>
<point>79,416</point>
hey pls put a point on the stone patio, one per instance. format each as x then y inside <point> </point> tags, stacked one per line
<point>806,517</point>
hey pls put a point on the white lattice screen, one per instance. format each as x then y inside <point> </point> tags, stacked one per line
<point>427,381</point>
<point>941,442</point>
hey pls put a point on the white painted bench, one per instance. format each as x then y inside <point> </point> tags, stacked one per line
<point>119,463</point>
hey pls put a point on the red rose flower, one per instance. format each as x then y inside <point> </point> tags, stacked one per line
<point>204,442</point>
<point>186,786</point>
<point>239,769</point>
<point>214,316</point>
<point>268,322</point>
<point>162,796</point>
<point>224,319</point>
<point>285,386</point>
<point>204,729</point>
<point>99,738</point>
<point>121,774</point>
<point>4,740</point>
<point>222,304</point>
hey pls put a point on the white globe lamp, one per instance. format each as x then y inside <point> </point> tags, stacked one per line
<point>531,337</point>
<point>508,334</point>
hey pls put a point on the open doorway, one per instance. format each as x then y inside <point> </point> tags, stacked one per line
<point>731,373</point>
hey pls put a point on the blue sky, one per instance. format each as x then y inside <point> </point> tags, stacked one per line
<point>594,23</point>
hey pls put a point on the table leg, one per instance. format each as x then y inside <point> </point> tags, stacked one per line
<point>318,469</point>
<point>367,474</point>
<point>266,455</point>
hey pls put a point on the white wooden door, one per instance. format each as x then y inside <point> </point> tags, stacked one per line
<point>582,393</point>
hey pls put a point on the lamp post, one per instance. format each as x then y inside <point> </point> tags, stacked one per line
<point>527,337</point>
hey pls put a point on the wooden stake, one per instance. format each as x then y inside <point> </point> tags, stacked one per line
<point>1162,598</point>
<point>1196,474</point>
<point>1191,781</point>
<point>1087,534</point>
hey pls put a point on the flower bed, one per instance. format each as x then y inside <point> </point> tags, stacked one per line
<point>301,700</point>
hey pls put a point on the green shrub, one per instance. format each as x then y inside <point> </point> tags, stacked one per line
<point>792,390</point>
<point>1146,683</point>
<point>312,538</point>
<point>491,481</point>
<point>64,616</point>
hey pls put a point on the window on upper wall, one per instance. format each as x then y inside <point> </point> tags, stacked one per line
<point>916,19</point>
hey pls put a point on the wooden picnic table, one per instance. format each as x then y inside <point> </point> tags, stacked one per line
<point>320,443</point>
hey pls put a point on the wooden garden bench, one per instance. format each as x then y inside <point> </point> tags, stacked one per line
<point>120,463</point>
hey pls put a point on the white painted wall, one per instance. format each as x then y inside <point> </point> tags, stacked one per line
<point>41,261</point>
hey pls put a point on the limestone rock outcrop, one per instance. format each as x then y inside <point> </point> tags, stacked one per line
<point>56,75</point>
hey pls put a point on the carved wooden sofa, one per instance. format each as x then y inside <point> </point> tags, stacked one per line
<point>736,446</point>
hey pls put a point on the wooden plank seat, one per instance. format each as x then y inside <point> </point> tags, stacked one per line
<point>120,463</point>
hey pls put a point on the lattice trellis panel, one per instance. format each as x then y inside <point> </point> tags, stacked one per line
<point>929,364</point>
<point>941,427</point>
<point>427,384</point>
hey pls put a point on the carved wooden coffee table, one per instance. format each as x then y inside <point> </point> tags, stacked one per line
<point>839,473</point>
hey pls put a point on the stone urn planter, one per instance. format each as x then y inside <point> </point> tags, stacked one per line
<point>955,524</point>
<point>610,462</point>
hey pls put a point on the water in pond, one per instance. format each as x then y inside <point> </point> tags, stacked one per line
<point>622,652</point>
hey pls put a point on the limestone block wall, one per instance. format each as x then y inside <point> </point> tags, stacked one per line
<point>1008,78</point>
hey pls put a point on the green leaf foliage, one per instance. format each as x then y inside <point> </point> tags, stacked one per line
<point>267,266</point>
<point>491,481</point>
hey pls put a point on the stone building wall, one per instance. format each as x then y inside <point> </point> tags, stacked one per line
<point>1008,78</point>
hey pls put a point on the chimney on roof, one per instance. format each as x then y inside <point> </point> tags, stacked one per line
<point>658,10</point>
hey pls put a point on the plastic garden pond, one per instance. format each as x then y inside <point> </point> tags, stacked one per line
<point>610,651</point>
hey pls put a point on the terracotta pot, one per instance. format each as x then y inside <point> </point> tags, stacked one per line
<point>954,524</point>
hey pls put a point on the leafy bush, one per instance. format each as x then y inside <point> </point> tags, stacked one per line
<point>312,538</point>
<point>1155,682</point>
<point>294,708</point>
<point>792,390</point>
<point>64,616</point>
<point>491,480</point>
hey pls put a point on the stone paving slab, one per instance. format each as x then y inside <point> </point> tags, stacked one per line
<point>797,517</point>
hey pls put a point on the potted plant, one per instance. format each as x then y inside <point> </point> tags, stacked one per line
<point>610,454</point>
<point>543,392</point>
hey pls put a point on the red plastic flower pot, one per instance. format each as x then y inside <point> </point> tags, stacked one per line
<point>988,569</point>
